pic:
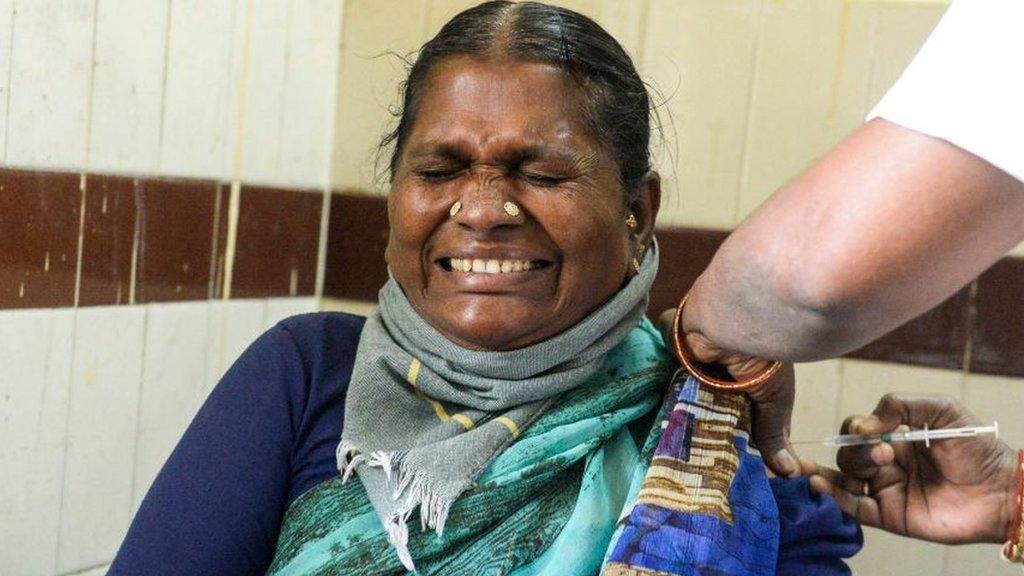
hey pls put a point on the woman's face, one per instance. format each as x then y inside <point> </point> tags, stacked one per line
<point>491,132</point>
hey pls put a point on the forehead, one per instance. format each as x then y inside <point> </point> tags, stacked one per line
<point>507,101</point>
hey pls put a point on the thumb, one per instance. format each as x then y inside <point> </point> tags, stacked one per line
<point>772,407</point>
<point>918,411</point>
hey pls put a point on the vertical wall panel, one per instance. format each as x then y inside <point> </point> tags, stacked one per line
<point>885,553</point>
<point>195,113</point>
<point>357,307</point>
<point>258,67</point>
<point>441,11</point>
<point>6,21</point>
<point>280,308</point>
<point>815,410</point>
<point>35,370</point>
<point>901,29</point>
<point>51,64</point>
<point>234,324</point>
<point>127,95</point>
<point>998,398</point>
<point>700,55</point>
<point>108,237</point>
<point>306,134</point>
<point>368,82</point>
<point>978,559</point>
<point>625,22</point>
<point>102,425</point>
<point>809,89</point>
<point>173,371</point>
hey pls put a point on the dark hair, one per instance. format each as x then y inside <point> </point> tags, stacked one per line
<point>619,108</point>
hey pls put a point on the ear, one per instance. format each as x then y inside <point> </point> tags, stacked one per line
<point>645,207</point>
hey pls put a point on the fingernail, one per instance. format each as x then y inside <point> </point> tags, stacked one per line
<point>855,424</point>
<point>818,484</point>
<point>876,455</point>
<point>786,462</point>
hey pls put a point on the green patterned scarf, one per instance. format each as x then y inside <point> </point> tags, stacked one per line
<point>547,504</point>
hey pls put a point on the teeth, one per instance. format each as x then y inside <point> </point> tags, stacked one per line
<point>493,266</point>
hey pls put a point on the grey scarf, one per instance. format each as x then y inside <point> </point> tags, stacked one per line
<point>424,417</point>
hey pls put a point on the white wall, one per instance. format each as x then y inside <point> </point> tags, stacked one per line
<point>226,89</point>
<point>93,399</point>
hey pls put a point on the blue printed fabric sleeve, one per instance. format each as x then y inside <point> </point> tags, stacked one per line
<point>266,433</point>
<point>814,534</point>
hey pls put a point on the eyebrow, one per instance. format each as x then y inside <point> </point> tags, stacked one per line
<point>458,151</point>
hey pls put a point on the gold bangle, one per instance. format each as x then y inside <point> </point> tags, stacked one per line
<point>698,370</point>
<point>1013,550</point>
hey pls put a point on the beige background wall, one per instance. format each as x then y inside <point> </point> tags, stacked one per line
<point>291,93</point>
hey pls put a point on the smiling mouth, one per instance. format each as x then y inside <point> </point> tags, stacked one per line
<point>490,266</point>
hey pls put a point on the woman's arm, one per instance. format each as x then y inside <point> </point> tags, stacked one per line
<point>216,506</point>
<point>885,226</point>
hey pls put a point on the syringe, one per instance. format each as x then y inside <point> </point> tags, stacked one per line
<point>924,435</point>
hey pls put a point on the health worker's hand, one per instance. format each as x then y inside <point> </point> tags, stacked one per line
<point>772,401</point>
<point>957,491</point>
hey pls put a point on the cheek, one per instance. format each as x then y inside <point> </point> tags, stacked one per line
<point>595,250</point>
<point>411,222</point>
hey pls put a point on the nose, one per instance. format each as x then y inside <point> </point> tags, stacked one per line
<point>484,196</point>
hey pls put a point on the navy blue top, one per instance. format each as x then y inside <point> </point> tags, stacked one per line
<point>267,433</point>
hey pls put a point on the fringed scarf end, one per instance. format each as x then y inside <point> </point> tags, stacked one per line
<point>398,536</point>
<point>347,457</point>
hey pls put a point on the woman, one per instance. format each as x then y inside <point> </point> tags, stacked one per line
<point>506,394</point>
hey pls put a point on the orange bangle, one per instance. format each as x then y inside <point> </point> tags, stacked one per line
<point>700,370</point>
<point>1013,550</point>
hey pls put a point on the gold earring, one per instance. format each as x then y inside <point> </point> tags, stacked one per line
<point>631,221</point>
<point>640,249</point>
<point>512,209</point>
<point>455,208</point>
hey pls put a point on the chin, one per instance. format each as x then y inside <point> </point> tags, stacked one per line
<point>496,327</point>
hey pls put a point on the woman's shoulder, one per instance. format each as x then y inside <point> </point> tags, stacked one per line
<point>322,340</point>
<point>302,366</point>
<point>317,330</point>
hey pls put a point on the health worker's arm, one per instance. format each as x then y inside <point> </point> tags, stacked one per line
<point>892,221</point>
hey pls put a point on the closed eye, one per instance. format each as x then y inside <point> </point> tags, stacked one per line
<point>437,176</point>
<point>543,180</point>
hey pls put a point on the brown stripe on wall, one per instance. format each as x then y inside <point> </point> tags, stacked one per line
<point>997,331</point>
<point>108,241</point>
<point>148,240</point>
<point>175,222</point>
<point>356,237</point>
<point>277,243</point>
<point>980,330</point>
<point>170,236</point>
<point>39,223</point>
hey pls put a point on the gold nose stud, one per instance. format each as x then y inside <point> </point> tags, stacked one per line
<point>512,209</point>
<point>455,208</point>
